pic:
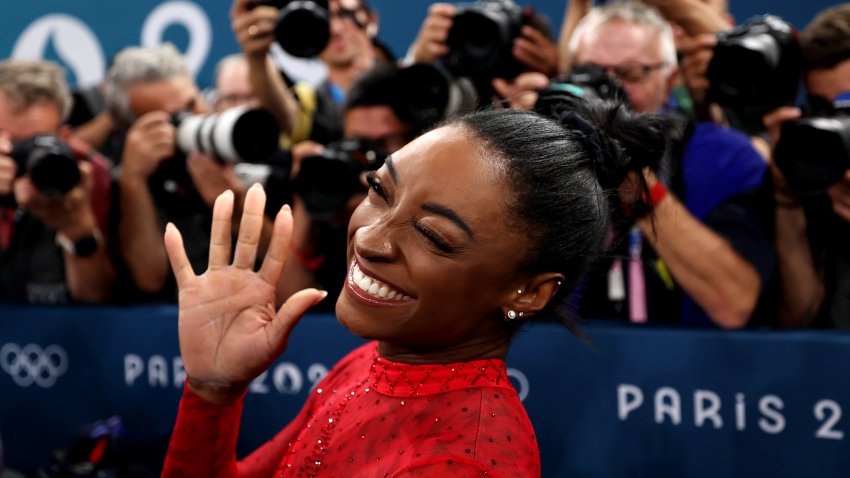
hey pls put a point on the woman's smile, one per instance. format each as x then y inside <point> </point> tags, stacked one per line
<point>372,290</point>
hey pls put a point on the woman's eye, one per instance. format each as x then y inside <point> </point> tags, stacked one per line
<point>435,239</point>
<point>375,185</point>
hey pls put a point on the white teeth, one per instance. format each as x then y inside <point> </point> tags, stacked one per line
<point>364,283</point>
<point>374,287</point>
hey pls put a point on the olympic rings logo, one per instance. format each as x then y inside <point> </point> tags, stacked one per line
<point>31,364</point>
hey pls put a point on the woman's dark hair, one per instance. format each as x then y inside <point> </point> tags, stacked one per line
<point>564,170</point>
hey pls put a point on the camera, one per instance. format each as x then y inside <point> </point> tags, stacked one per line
<point>421,95</point>
<point>49,162</point>
<point>481,38</point>
<point>302,27</point>
<point>326,182</point>
<point>814,152</point>
<point>756,67</point>
<point>587,81</point>
<point>235,135</point>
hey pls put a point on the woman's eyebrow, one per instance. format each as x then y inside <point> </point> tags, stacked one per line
<point>449,214</point>
<point>391,168</point>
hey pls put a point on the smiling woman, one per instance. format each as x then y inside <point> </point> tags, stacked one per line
<point>467,232</point>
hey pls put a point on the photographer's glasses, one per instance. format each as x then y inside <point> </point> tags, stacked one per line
<point>630,72</point>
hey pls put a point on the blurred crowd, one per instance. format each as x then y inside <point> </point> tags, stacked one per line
<point>750,209</point>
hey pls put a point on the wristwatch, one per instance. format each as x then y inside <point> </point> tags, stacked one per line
<point>82,247</point>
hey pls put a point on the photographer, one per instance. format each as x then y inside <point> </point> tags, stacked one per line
<point>313,114</point>
<point>706,256</point>
<point>523,62</point>
<point>54,195</point>
<point>813,229</point>
<point>145,87</point>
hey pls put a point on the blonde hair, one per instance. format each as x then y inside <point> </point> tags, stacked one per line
<point>29,82</point>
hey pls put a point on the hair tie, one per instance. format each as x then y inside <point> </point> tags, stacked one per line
<point>576,122</point>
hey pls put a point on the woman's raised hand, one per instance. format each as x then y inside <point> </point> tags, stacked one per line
<point>228,327</point>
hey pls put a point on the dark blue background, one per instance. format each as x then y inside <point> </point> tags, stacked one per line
<point>571,392</point>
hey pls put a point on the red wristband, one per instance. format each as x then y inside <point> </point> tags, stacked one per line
<point>656,194</point>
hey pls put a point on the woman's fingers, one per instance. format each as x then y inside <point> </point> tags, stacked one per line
<point>250,229</point>
<point>278,247</point>
<point>220,232</point>
<point>177,256</point>
<point>290,313</point>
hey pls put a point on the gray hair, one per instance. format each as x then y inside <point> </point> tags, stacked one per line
<point>632,12</point>
<point>226,62</point>
<point>134,65</point>
<point>29,82</point>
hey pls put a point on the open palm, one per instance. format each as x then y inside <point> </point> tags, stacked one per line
<point>229,329</point>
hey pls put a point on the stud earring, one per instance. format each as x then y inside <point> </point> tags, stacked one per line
<point>519,291</point>
<point>511,315</point>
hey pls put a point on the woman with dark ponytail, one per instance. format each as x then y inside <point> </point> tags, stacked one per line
<point>468,232</point>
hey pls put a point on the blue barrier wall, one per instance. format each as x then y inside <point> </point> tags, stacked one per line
<point>638,402</point>
<point>84,34</point>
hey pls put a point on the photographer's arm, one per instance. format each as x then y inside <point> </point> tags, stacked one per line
<point>430,44</point>
<point>575,11</point>
<point>704,264</point>
<point>149,141</point>
<point>89,278</point>
<point>801,278</point>
<point>695,16</point>
<point>254,29</point>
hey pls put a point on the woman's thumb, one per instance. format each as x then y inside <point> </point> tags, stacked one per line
<point>292,310</point>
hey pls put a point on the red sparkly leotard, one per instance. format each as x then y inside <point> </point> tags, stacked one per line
<point>371,417</point>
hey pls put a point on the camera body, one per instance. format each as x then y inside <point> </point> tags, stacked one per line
<point>326,182</point>
<point>813,152</point>
<point>583,82</point>
<point>49,162</point>
<point>481,39</point>
<point>302,27</point>
<point>756,67</point>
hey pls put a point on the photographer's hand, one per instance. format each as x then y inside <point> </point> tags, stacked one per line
<point>430,44</point>
<point>8,170</point>
<point>253,27</point>
<point>521,93</point>
<point>211,177</point>
<point>784,197</point>
<point>70,214</point>
<point>536,51</point>
<point>696,53</point>
<point>150,140</point>
<point>229,329</point>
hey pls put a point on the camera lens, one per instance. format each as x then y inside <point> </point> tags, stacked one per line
<point>303,28</point>
<point>50,164</point>
<point>235,135</point>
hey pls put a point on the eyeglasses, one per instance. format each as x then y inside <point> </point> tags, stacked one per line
<point>348,14</point>
<point>631,72</point>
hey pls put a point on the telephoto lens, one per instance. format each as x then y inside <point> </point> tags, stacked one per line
<point>49,162</point>
<point>235,135</point>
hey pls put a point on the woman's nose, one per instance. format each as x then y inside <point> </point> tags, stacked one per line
<point>375,243</point>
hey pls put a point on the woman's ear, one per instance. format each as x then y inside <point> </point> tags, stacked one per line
<point>532,296</point>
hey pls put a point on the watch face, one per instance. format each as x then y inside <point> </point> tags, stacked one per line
<point>85,246</point>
